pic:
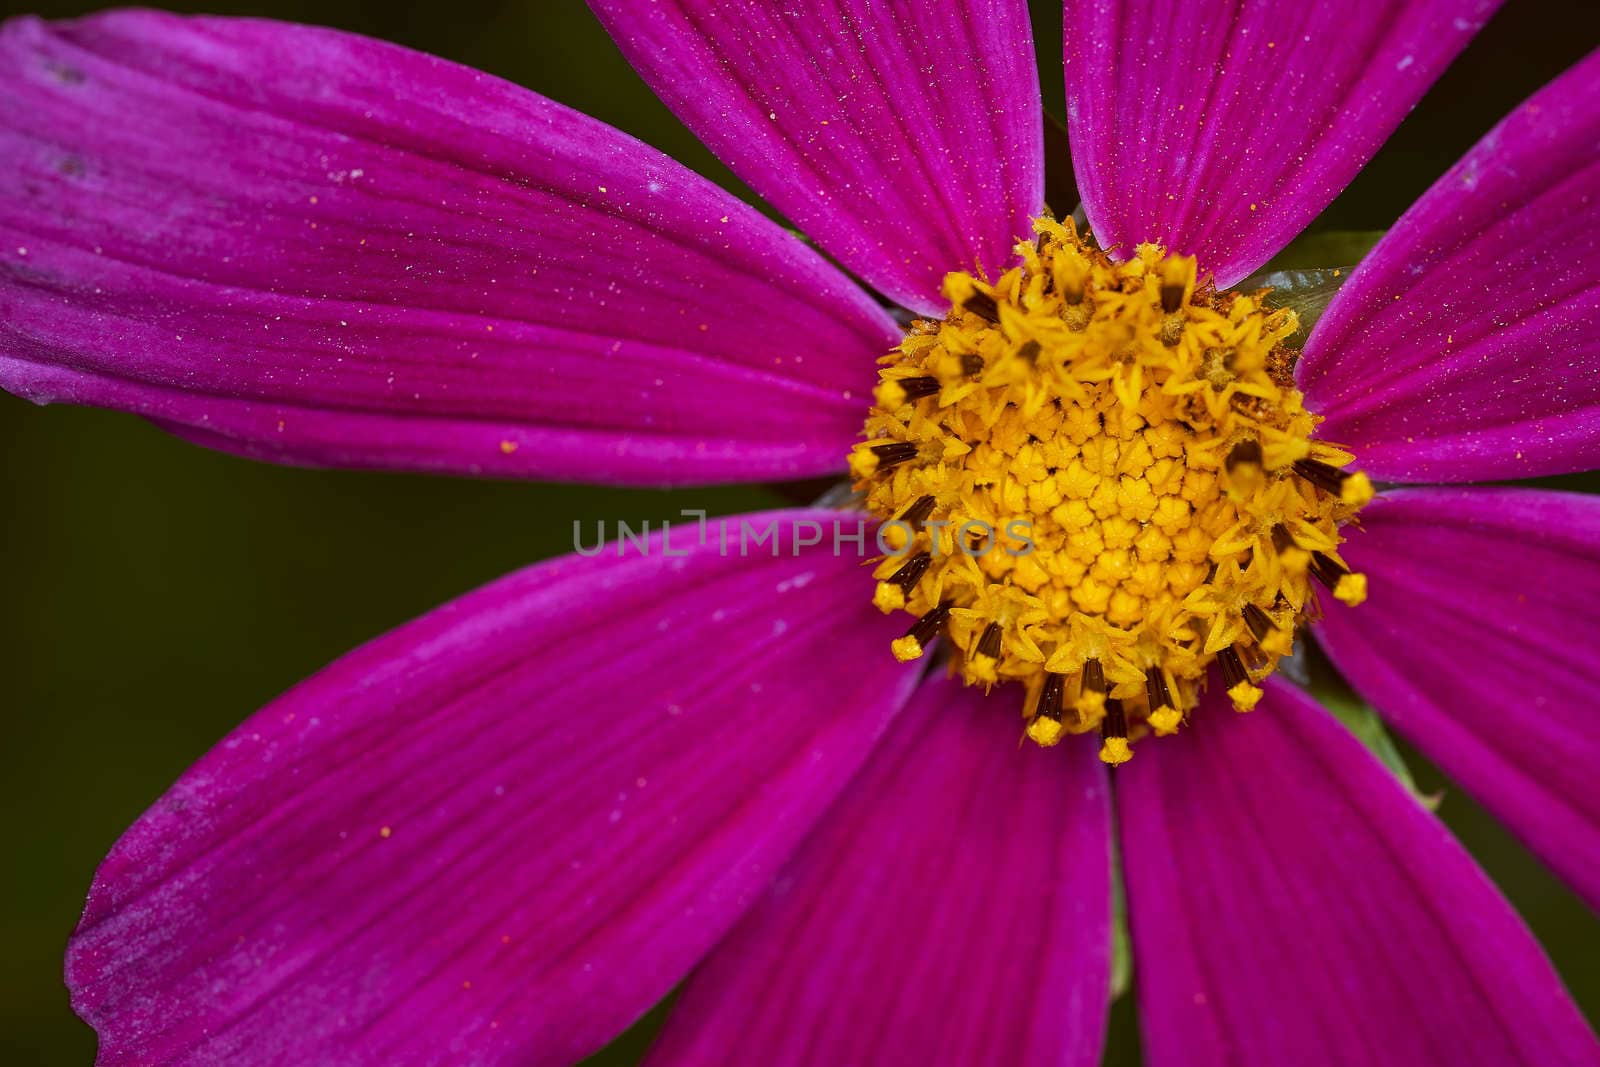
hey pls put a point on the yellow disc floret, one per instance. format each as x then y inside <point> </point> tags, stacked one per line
<point>1100,480</point>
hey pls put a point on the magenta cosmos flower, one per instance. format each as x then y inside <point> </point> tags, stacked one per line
<point>500,833</point>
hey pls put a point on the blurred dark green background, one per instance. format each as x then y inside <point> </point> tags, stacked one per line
<point>156,594</point>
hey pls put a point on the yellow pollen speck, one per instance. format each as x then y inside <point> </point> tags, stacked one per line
<point>1149,476</point>
<point>508,447</point>
<point>385,832</point>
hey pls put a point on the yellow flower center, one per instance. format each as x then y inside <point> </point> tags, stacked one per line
<point>1099,479</point>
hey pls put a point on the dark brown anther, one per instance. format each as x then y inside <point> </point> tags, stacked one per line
<point>918,512</point>
<point>1233,671</point>
<point>1029,350</point>
<point>989,643</point>
<point>917,388</point>
<point>1326,571</point>
<point>1051,696</point>
<point>1171,298</point>
<point>1115,724</point>
<point>1094,677</point>
<point>982,305</point>
<point>1155,689</point>
<point>895,454</point>
<point>1328,478</point>
<point>911,572</point>
<point>925,629</point>
<point>971,364</point>
<point>1281,539</point>
<point>1245,452</point>
<point>1259,622</point>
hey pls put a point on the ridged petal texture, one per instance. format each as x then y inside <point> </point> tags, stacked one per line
<point>1480,641</point>
<point>313,247</point>
<point>1291,903</point>
<point>953,908</point>
<point>500,833</point>
<point>1220,129</point>
<point>1466,347</point>
<point>906,138</point>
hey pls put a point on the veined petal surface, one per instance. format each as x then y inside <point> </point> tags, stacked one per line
<point>953,908</point>
<point>1291,903</point>
<point>500,833</point>
<point>906,138</point>
<point>1220,129</point>
<point>1466,347</point>
<point>312,247</point>
<point>1480,642</point>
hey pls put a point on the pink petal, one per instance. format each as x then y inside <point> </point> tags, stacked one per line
<point>1467,345</point>
<point>1291,903</point>
<point>907,139</point>
<point>500,833</point>
<point>953,908</point>
<point>1480,641</point>
<point>316,248</point>
<point>1221,129</point>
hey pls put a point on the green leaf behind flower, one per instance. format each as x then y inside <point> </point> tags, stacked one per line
<point>1335,694</point>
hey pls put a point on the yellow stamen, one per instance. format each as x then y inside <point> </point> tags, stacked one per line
<point>890,394</point>
<point>1352,589</point>
<point>1245,696</point>
<point>1116,750</point>
<point>1357,489</point>
<point>1046,732</point>
<point>1133,442</point>
<point>1090,706</point>
<point>1165,720</point>
<point>1278,642</point>
<point>888,597</point>
<point>906,648</point>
